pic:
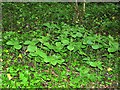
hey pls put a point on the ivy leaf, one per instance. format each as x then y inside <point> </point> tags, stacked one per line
<point>32,48</point>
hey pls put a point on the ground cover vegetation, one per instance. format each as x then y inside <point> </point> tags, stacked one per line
<point>44,45</point>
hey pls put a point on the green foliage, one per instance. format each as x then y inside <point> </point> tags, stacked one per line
<point>44,48</point>
<point>15,43</point>
<point>113,46</point>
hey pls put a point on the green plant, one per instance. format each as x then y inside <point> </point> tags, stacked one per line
<point>15,43</point>
<point>49,50</point>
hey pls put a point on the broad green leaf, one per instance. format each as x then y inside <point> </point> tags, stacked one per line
<point>57,56</point>
<point>113,46</point>
<point>54,62</point>
<point>89,42</point>
<point>16,46</point>
<point>95,46</point>
<point>86,70</point>
<point>82,29</point>
<point>27,42</point>
<point>93,64</point>
<point>111,49</point>
<point>48,45</point>
<point>91,77</point>
<point>46,49</point>
<point>10,42</point>
<point>34,41</point>
<point>57,50</point>
<point>78,34</point>
<point>58,47</point>
<point>81,52</point>
<point>79,45</point>
<point>21,76</point>
<point>108,55</point>
<point>32,54</point>
<point>74,35</point>
<point>51,60</point>
<point>25,81</point>
<point>32,48</point>
<point>61,61</point>
<point>54,26</point>
<point>70,47</point>
<point>83,46</point>
<point>44,39</point>
<point>47,24</point>
<point>99,65</point>
<point>47,59</point>
<point>41,53</point>
<point>96,64</point>
<point>58,44</point>
<point>86,59</point>
<point>110,37</point>
<point>65,41</point>
<point>116,45</point>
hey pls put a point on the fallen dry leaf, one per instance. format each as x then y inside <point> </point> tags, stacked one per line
<point>9,76</point>
<point>109,69</point>
<point>1,60</point>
